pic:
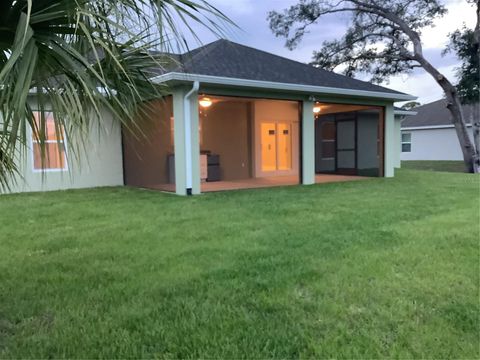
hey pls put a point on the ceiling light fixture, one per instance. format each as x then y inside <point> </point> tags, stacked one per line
<point>205,102</point>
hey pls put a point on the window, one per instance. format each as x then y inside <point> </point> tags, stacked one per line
<point>54,156</point>
<point>406,142</point>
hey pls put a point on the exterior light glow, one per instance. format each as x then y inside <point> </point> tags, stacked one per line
<point>317,109</point>
<point>205,102</point>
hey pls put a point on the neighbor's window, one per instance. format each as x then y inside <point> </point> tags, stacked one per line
<point>54,156</point>
<point>406,142</point>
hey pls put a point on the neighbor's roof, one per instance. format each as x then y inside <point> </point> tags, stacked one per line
<point>435,114</point>
<point>227,59</point>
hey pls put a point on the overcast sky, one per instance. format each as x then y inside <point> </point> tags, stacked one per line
<point>250,16</point>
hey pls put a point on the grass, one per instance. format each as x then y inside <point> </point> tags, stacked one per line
<point>435,165</point>
<point>369,269</point>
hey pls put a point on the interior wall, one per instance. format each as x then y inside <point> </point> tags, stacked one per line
<point>274,110</point>
<point>226,132</point>
<point>147,153</point>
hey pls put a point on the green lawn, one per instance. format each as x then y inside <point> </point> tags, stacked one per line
<point>440,165</point>
<point>369,269</point>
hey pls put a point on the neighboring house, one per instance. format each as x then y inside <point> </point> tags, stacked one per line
<point>236,117</point>
<point>430,134</point>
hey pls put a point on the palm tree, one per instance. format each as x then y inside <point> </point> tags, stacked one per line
<point>76,57</point>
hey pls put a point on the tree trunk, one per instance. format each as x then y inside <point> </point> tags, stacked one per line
<point>476,126</point>
<point>469,151</point>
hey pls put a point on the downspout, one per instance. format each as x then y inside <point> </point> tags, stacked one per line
<point>188,137</point>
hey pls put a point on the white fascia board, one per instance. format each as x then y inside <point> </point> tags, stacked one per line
<point>309,89</point>
<point>430,127</point>
<point>405,112</point>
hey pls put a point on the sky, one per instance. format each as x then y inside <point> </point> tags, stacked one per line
<point>250,17</point>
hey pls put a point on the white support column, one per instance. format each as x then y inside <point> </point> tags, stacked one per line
<point>181,118</point>
<point>390,143</point>
<point>195,148</point>
<point>398,140</point>
<point>308,143</point>
<point>179,139</point>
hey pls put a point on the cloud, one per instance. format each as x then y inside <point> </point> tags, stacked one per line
<point>422,84</point>
<point>459,13</point>
<point>235,7</point>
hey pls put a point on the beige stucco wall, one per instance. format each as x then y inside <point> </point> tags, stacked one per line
<point>146,151</point>
<point>92,162</point>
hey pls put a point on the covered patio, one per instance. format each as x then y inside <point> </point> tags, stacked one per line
<point>240,142</point>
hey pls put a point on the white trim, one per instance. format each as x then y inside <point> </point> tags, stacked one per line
<point>208,79</point>
<point>404,112</point>
<point>431,127</point>
<point>50,170</point>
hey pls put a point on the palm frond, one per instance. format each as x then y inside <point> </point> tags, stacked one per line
<point>77,58</point>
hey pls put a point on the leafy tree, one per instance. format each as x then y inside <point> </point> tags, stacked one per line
<point>75,57</point>
<point>410,105</point>
<point>383,39</point>
<point>462,43</point>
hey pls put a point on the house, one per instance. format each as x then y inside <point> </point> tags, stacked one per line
<point>430,134</point>
<point>235,117</point>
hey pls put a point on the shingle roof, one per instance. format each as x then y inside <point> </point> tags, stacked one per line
<point>224,58</point>
<point>435,114</point>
